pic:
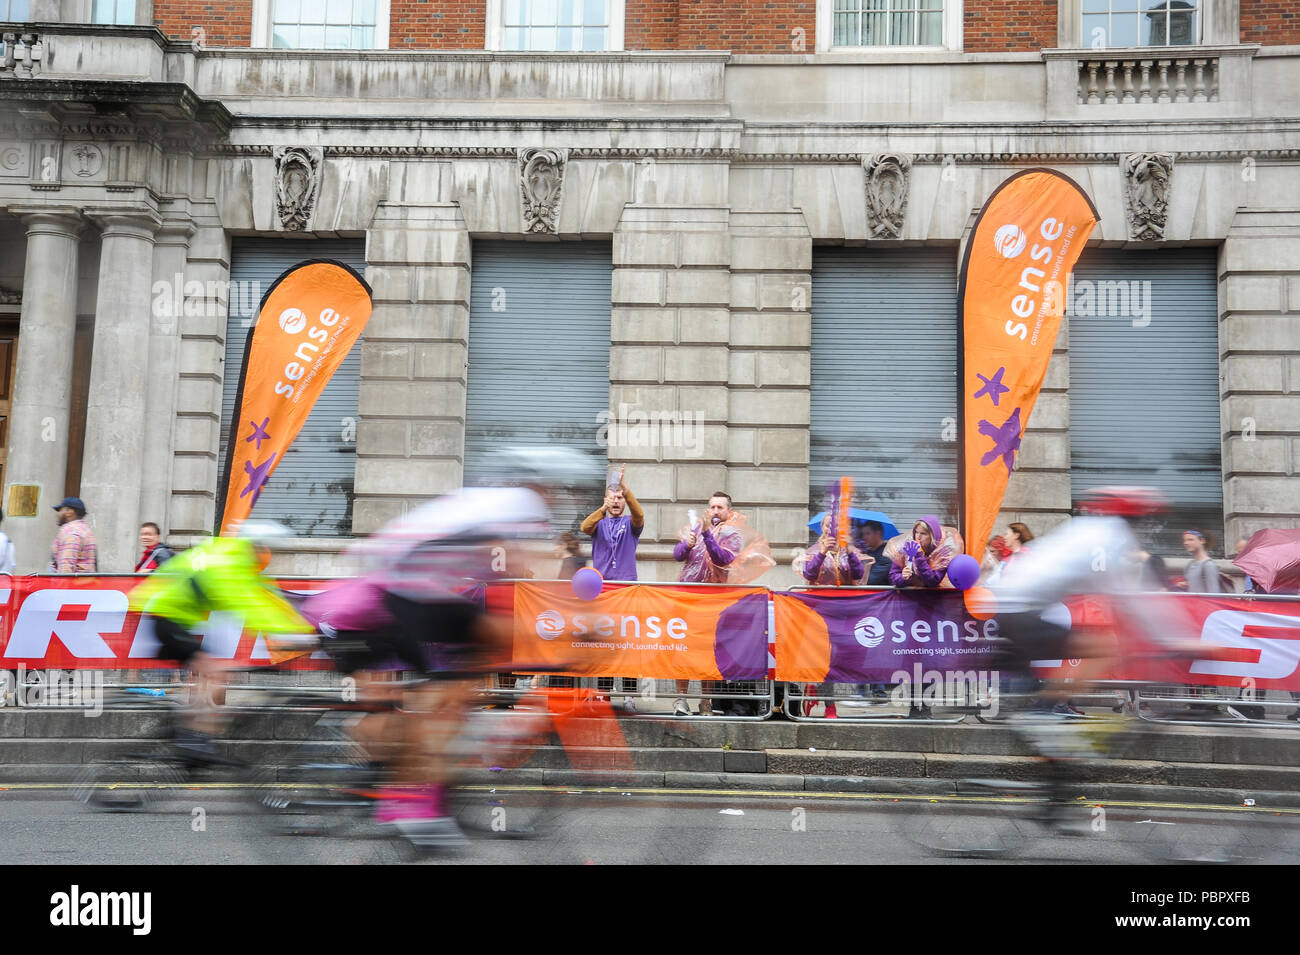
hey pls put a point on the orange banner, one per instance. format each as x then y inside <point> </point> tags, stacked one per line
<point>662,632</point>
<point>1013,279</point>
<point>307,324</point>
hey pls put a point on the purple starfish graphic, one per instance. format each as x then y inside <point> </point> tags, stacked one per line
<point>993,387</point>
<point>257,477</point>
<point>1006,440</point>
<point>259,432</point>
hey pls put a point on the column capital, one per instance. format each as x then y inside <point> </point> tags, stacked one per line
<point>175,232</point>
<point>138,222</point>
<point>43,217</point>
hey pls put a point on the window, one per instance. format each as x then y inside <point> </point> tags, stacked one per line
<point>13,11</point>
<point>844,25</point>
<point>113,12</point>
<point>1136,23</point>
<point>322,24</point>
<point>555,26</point>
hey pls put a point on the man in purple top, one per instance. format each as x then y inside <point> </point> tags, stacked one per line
<point>614,529</point>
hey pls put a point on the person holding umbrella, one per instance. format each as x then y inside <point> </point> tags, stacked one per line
<point>1272,560</point>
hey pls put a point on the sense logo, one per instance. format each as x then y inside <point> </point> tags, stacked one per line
<point>869,632</point>
<point>292,320</point>
<point>1010,240</point>
<point>550,624</point>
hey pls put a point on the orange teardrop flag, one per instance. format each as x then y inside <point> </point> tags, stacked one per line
<point>308,322</point>
<point>1013,281</point>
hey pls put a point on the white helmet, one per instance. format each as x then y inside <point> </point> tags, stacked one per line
<point>263,533</point>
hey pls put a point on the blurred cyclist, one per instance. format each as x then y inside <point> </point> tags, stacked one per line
<point>224,573</point>
<point>414,605</point>
<point>1094,553</point>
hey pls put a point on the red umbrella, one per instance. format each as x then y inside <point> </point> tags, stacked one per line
<point>1272,559</point>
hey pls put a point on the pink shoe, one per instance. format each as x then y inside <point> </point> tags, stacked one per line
<point>404,802</point>
<point>830,712</point>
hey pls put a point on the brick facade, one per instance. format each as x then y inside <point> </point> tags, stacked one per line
<point>437,25</point>
<point>742,26</point>
<point>995,26</point>
<point>227,23</point>
<point>650,25</point>
<point>1270,22</point>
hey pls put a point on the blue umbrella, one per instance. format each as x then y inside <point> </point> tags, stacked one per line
<point>860,514</point>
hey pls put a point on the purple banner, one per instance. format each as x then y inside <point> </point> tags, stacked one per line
<point>875,635</point>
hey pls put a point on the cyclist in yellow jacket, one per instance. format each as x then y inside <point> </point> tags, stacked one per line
<point>224,573</point>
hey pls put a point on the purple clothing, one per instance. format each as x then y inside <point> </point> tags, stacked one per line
<point>613,547</point>
<point>850,570</point>
<point>706,562</point>
<point>925,576</point>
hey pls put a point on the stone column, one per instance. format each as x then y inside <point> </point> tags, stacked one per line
<point>1259,337</point>
<point>411,436</point>
<point>668,367</point>
<point>770,378</point>
<point>113,472</point>
<point>38,426</point>
<point>201,349</point>
<point>166,311</point>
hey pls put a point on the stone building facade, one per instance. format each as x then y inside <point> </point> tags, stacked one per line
<point>129,157</point>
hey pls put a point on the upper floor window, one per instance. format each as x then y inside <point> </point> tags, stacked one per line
<point>555,26</point>
<point>844,25</point>
<point>888,23</point>
<point>13,11</point>
<point>113,12</point>
<point>325,24</point>
<point>1129,23</point>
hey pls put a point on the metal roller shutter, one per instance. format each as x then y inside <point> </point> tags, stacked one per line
<point>311,489</point>
<point>1144,380</point>
<point>884,379</point>
<point>538,352</point>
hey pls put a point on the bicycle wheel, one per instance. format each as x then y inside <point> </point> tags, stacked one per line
<point>995,819</point>
<point>129,785</point>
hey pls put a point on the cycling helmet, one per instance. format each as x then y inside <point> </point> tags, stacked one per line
<point>263,533</point>
<point>1123,501</point>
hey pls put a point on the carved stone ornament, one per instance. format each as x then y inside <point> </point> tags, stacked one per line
<point>1147,178</point>
<point>886,175</point>
<point>541,183</point>
<point>297,184</point>
<point>23,54</point>
<point>87,160</point>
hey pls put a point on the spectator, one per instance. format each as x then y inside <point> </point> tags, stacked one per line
<point>920,561</point>
<point>568,548</point>
<point>1247,585</point>
<point>1017,539</point>
<point>155,551</point>
<point>614,529</point>
<point>826,565</point>
<point>7,559</point>
<point>872,545</point>
<point>1201,575</point>
<point>74,550</point>
<point>706,553</point>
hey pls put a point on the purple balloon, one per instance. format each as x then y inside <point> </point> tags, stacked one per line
<point>587,583</point>
<point>963,571</point>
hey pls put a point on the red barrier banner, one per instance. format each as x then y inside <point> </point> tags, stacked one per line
<point>650,631</point>
<point>85,623</point>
